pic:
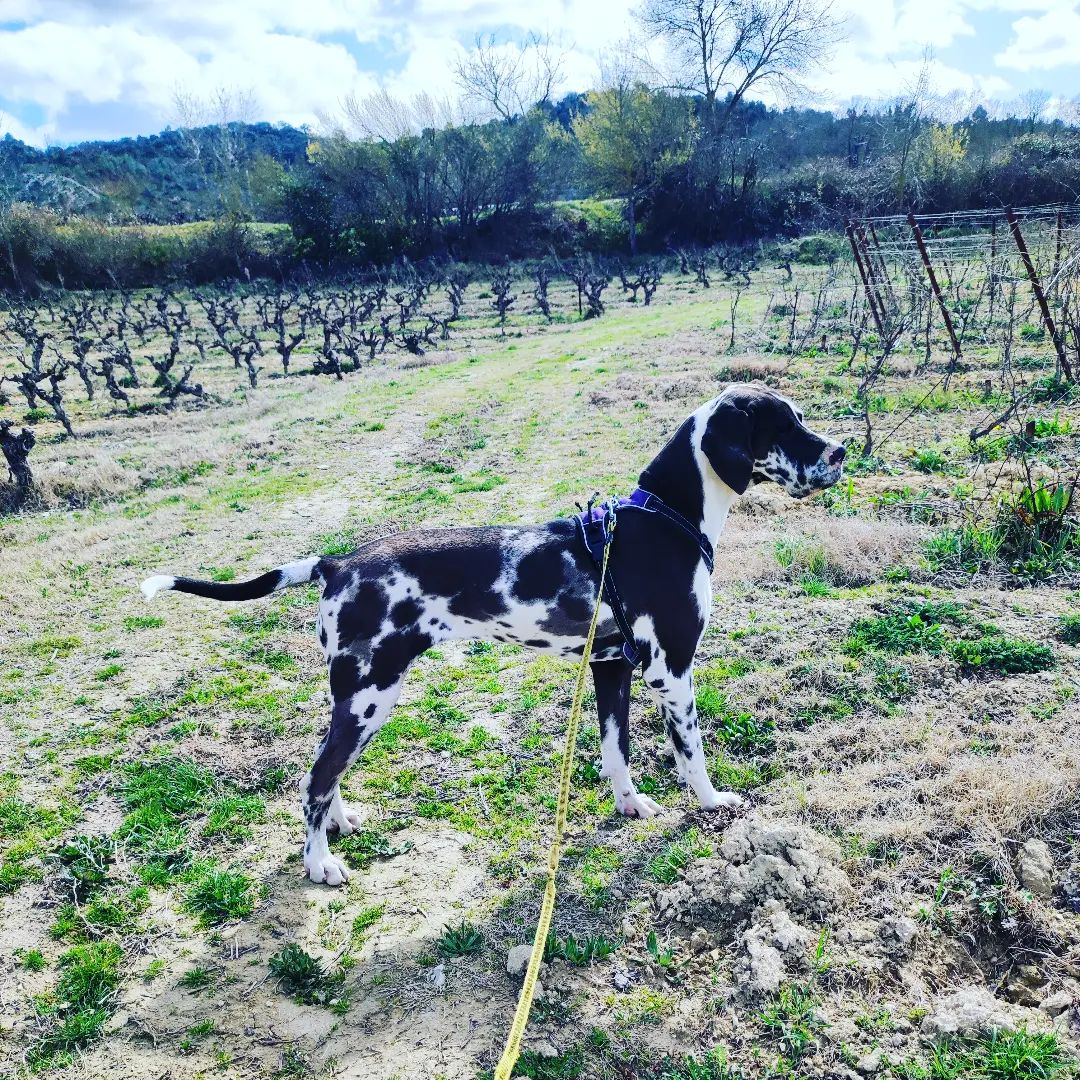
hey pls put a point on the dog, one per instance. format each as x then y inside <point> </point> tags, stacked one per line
<point>536,585</point>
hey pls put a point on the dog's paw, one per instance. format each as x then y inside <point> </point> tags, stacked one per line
<point>343,819</point>
<point>722,800</point>
<point>634,804</point>
<point>326,869</point>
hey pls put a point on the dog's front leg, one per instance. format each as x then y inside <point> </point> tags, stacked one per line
<point>678,705</point>
<point>612,681</point>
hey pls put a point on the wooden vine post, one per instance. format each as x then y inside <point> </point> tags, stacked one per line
<point>1040,296</point>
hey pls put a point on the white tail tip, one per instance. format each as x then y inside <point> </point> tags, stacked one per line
<point>153,585</point>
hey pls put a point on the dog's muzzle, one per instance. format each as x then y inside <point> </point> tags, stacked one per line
<point>829,468</point>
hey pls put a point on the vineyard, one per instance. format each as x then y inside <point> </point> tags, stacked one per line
<point>890,675</point>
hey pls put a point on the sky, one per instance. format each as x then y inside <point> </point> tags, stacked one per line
<point>72,70</point>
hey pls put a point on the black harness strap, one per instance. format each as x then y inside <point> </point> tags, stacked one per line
<point>596,525</point>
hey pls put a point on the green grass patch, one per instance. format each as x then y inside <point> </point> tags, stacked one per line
<point>1002,655</point>
<point>895,634</point>
<point>1018,1055</point>
<point>77,1010</point>
<point>217,896</point>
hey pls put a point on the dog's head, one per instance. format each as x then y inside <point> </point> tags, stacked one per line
<point>755,434</point>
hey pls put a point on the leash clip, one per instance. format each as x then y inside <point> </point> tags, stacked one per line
<point>608,520</point>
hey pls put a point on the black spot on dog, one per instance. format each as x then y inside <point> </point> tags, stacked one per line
<point>539,643</point>
<point>656,683</point>
<point>338,580</point>
<point>405,612</point>
<point>322,636</point>
<point>369,712</point>
<point>344,676</point>
<point>394,654</point>
<point>676,738</point>
<point>433,622</point>
<point>539,574</point>
<point>361,617</point>
<point>504,625</point>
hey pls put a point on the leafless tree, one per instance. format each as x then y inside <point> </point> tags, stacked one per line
<point>509,79</point>
<point>721,49</point>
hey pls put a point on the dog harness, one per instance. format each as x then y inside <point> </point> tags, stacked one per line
<point>596,523</point>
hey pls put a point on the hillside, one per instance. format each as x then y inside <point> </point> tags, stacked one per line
<point>174,176</point>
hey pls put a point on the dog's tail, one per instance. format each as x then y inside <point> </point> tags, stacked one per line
<point>296,573</point>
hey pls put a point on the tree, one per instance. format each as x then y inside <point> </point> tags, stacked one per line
<point>509,80</point>
<point>720,49</point>
<point>631,136</point>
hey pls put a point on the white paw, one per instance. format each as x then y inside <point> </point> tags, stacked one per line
<point>343,818</point>
<point>726,800</point>
<point>634,804</point>
<point>326,868</point>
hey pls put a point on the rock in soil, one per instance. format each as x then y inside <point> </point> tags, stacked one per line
<point>968,1013</point>
<point>1035,868</point>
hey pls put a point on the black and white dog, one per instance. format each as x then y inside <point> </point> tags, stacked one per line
<point>389,601</point>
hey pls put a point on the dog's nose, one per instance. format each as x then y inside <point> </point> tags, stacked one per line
<point>837,456</point>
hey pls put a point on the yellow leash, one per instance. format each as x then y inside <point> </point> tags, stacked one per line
<point>547,907</point>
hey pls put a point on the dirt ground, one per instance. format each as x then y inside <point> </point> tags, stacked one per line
<point>905,868</point>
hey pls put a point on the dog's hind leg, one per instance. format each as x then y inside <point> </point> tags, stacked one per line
<point>612,681</point>
<point>360,708</point>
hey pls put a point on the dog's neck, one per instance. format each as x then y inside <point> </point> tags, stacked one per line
<point>682,476</point>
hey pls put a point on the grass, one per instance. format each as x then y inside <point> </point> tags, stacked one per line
<point>471,751</point>
<point>76,1011</point>
<point>792,1020</point>
<point>1019,1055</point>
<point>676,856</point>
<point>216,896</point>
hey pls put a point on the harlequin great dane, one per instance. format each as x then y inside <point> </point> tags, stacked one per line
<point>536,585</point>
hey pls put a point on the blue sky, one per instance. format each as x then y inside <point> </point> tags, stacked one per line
<point>81,69</point>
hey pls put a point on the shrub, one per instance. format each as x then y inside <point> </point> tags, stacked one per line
<point>1069,629</point>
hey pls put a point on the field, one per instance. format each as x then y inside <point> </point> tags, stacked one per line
<point>889,678</point>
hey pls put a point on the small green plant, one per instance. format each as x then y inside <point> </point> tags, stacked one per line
<point>33,960</point>
<point>929,460</point>
<point>581,953</point>
<point>220,895</point>
<point>895,634</point>
<point>665,958</point>
<point>1001,655</point>
<point>713,1066</point>
<point>1069,629</point>
<point>83,1000</point>
<point>86,859</point>
<point>197,979</point>
<point>792,1020</point>
<point>300,974</point>
<point>1003,1055</point>
<point>676,856</point>
<point>364,846</point>
<point>465,939</point>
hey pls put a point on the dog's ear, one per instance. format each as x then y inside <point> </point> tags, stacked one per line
<point>726,443</point>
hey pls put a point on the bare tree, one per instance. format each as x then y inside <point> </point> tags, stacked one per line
<point>721,49</point>
<point>510,79</point>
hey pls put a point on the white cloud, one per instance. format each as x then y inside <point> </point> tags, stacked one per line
<point>293,56</point>
<point>1046,41</point>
